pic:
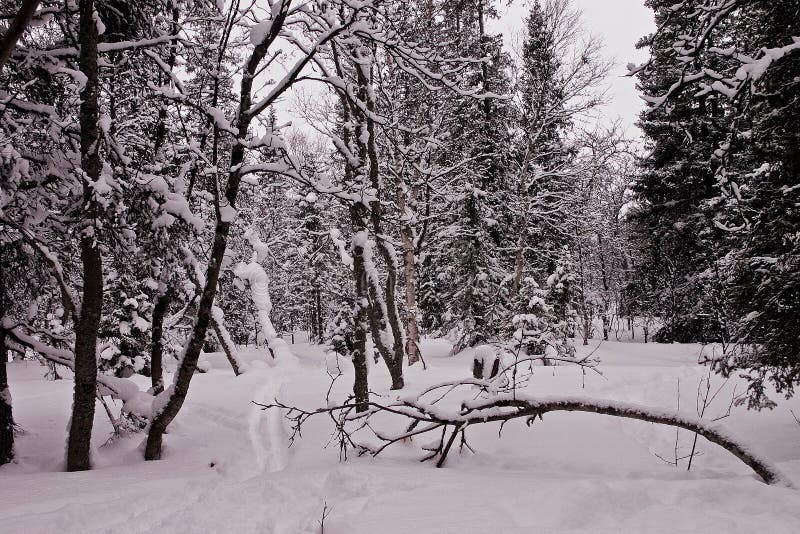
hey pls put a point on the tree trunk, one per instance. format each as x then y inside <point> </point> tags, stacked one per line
<point>161,124</point>
<point>587,325</point>
<point>6,413</point>
<point>394,355</point>
<point>522,237</point>
<point>536,408</point>
<point>157,346</point>
<point>311,322</point>
<point>409,276</point>
<point>371,309</point>
<point>15,30</point>
<point>80,428</point>
<point>318,314</point>
<point>604,273</point>
<point>164,298</point>
<point>180,387</point>
<point>377,308</point>
<point>224,338</point>
<point>361,381</point>
<point>183,377</point>
<point>585,305</point>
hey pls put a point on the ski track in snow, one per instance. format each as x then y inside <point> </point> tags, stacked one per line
<point>267,436</point>
<point>227,467</point>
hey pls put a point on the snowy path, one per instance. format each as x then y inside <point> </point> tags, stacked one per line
<point>227,468</point>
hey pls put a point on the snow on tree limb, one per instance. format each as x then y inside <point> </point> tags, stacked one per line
<point>134,400</point>
<point>688,49</point>
<point>257,277</point>
<point>424,416</point>
<point>533,407</point>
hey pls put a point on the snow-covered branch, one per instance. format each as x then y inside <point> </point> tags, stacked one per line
<point>421,416</point>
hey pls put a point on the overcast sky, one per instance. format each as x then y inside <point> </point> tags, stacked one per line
<point>619,24</point>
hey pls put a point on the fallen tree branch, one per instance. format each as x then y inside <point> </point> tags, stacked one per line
<point>531,408</point>
<point>501,408</point>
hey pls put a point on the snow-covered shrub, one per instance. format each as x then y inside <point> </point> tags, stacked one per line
<point>340,331</point>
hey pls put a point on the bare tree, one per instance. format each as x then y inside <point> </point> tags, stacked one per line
<point>560,71</point>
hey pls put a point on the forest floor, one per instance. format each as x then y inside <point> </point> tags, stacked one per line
<point>227,467</point>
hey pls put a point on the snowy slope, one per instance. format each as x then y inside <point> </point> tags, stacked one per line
<point>227,468</point>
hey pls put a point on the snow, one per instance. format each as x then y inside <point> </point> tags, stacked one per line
<point>259,32</point>
<point>218,116</point>
<point>755,68</point>
<point>260,248</point>
<point>341,246</point>
<point>259,290</point>
<point>226,466</point>
<point>227,213</point>
<point>101,28</point>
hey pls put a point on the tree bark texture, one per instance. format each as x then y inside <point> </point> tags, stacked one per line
<point>157,343</point>
<point>86,329</point>
<point>394,355</point>
<point>409,277</point>
<point>360,316</point>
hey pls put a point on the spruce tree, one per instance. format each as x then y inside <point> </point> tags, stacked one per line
<point>675,187</point>
<point>471,281</point>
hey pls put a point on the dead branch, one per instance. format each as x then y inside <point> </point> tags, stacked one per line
<point>426,418</point>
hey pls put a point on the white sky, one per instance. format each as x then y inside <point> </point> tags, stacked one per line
<point>619,24</point>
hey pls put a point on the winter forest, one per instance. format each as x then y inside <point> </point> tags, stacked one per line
<point>266,265</point>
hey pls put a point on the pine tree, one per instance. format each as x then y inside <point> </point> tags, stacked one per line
<point>561,297</point>
<point>760,207</point>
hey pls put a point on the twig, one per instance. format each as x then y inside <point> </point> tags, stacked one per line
<point>325,513</point>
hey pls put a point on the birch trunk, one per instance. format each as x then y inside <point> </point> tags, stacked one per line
<point>522,236</point>
<point>409,276</point>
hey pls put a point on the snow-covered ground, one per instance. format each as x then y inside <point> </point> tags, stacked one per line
<point>227,467</point>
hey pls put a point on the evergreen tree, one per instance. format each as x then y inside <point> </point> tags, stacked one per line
<point>726,195</point>
<point>561,297</point>
<point>473,221</point>
<point>675,187</point>
<point>760,206</point>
